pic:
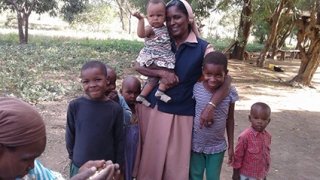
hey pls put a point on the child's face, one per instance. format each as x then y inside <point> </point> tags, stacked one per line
<point>156,14</point>
<point>259,118</point>
<point>94,83</point>
<point>213,75</point>
<point>111,85</point>
<point>130,91</point>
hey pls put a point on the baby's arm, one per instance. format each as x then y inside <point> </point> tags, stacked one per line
<point>230,133</point>
<point>142,31</point>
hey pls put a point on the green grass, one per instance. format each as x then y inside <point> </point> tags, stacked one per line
<point>48,68</point>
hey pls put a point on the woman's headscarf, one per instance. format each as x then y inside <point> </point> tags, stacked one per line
<point>20,123</point>
<point>191,18</point>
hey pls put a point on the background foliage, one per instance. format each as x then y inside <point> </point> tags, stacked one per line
<point>48,68</point>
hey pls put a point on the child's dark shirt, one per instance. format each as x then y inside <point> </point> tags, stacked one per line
<point>94,131</point>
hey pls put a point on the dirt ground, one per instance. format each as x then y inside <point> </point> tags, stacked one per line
<point>294,126</point>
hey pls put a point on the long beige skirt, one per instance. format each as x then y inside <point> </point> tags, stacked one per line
<point>164,145</point>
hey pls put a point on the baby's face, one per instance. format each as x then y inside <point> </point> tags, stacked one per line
<point>156,14</point>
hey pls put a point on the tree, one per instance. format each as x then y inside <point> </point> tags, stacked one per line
<point>23,9</point>
<point>71,8</point>
<point>243,31</point>
<point>283,32</point>
<point>124,12</point>
<point>275,19</point>
<point>308,30</point>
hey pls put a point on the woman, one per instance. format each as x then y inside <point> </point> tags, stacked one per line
<point>166,128</point>
<point>23,139</point>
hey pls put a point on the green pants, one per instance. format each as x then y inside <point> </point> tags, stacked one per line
<point>212,163</point>
<point>73,170</point>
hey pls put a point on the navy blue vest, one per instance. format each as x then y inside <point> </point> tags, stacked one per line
<point>188,68</point>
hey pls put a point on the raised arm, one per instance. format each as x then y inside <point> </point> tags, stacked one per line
<point>142,31</point>
<point>207,113</point>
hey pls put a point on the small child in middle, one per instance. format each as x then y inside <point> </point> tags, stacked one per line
<point>208,143</point>
<point>157,51</point>
<point>131,87</point>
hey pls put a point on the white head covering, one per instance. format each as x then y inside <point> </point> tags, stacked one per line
<point>191,18</point>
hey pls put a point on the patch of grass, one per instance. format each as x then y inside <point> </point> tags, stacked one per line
<point>47,69</point>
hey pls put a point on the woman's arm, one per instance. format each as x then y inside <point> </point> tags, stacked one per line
<point>207,113</point>
<point>167,76</point>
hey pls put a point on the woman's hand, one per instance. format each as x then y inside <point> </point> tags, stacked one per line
<point>206,116</point>
<point>98,164</point>
<point>98,170</point>
<point>169,78</point>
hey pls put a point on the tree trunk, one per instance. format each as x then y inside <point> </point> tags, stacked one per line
<point>121,13</point>
<point>273,32</point>
<point>308,67</point>
<point>275,49</point>
<point>308,28</point>
<point>284,29</point>
<point>20,28</point>
<point>26,28</point>
<point>243,31</point>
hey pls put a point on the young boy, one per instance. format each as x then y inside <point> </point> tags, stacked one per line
<point>129,91</point>
<point>94,128</point>
<point>252,154</point>
<point>111,91</point>
<point>131,87</point>
<point>209,143</point>
<point>113,95</point>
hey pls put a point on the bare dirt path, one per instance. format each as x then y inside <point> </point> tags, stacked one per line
<point>294,126</point>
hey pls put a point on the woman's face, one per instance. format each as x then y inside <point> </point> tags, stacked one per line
<point>18,162</point>
<point>177,22</point>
